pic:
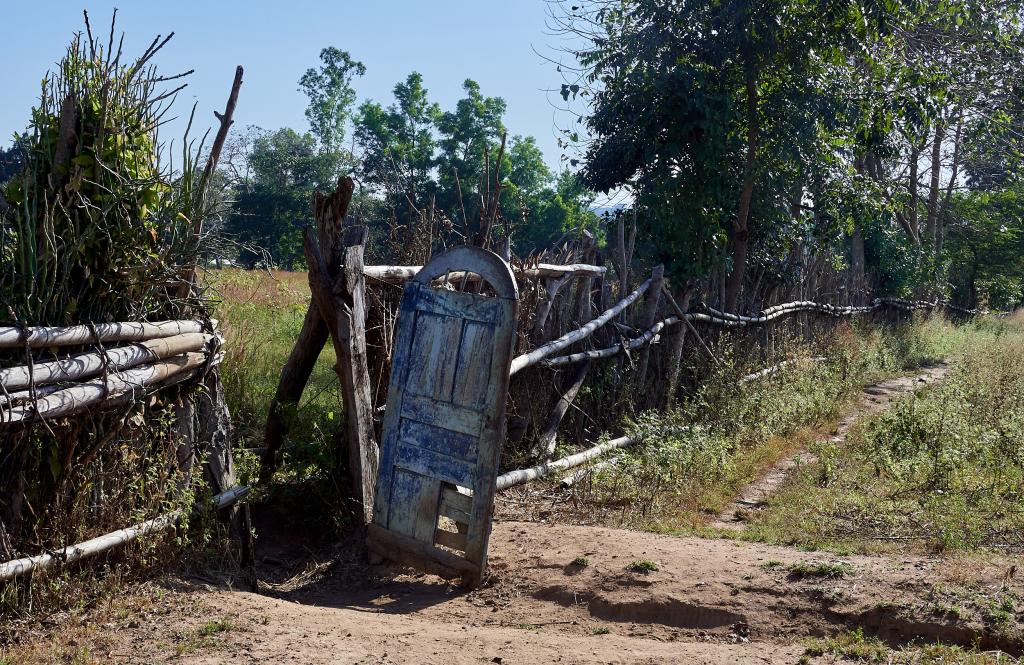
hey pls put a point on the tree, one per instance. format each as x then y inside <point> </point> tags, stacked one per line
<point>986,248</point>
<point>331,97</point>
<point>468,135</point>
<point>272,203</point>
<point>12,159</point>
<point>398,142</point>
<point>762,132</point>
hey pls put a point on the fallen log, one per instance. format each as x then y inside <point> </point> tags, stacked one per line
<point>94,546</point>
<point>74,398</point>
<point>132,331</point>
<point>87,365</point>
<point>541,352</point>
<point>579,474</point>
<point>520,476</point>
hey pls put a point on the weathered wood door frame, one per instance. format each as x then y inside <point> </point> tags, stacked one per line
<point>421,434</point>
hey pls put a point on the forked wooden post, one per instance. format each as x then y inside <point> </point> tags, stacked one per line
<point>340,302</point>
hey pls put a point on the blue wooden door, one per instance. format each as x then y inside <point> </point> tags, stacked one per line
<point>445,418</point>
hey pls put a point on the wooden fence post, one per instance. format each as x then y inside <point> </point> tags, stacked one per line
<point>675,349</point>
<point>362,448</point>
<point>647,318</point>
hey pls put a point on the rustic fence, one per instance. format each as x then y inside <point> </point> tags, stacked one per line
<point>576,314</point>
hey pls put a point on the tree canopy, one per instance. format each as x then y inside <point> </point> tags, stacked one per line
<point>760,138</point>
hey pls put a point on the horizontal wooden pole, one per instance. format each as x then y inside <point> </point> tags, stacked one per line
<point>94,546</point>
<point>87,365</point>
<point>714,317</point>
<point>401,274</point>
<point>520,363</point>
<point>79,396</point>
<point>650,336</point>
<point>42,337</point>
<point>520,476</point>
<point>579,474</point>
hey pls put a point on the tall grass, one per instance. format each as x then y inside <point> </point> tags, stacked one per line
<point>723,435</point>
<point>941,470</point>
<point>261,314</point>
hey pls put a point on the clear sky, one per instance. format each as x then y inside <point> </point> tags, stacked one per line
<point>490,41</point>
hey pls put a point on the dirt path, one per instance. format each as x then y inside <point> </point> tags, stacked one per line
<point>873,399</point>
<point>702,601</point>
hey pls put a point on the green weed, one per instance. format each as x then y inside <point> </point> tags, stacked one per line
<point>851,646</point>
<point>829,569</point>
<point>940,470</point>
<point>644,566</point>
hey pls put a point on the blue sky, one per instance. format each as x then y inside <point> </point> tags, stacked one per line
<point>491,41</point>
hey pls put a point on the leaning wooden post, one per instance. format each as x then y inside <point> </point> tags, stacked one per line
<point>329,211</point>
<point>676,345</point>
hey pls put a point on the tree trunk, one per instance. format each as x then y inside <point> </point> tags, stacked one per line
<point>912,185</point>
<point>741,233</point>
<point>675,352</point>
<point>933,188</point>
<point>647,318</point>
<point>940,224</point>
<point>858,282</point>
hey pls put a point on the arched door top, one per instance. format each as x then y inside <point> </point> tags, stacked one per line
<point>491,267</point>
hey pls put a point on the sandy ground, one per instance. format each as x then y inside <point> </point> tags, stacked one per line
<point>707,601</point>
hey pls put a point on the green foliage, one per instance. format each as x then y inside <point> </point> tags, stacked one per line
<point>421,168</point>
<point>331,97</point>
<point>261,314</point>
<point>12,160</point>
<point>850,646</point>
<point>985,248</point>
<point>214,626</point>
<point>643,566</point>
<point>398,143</point>
<point>272,206</point>
<point>466,133</point>
<point>723,435</point>
<point>828,569</point>
<point>809,109</point>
